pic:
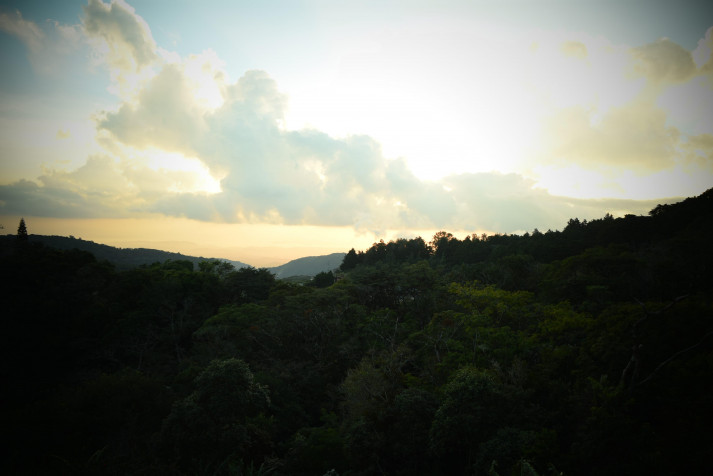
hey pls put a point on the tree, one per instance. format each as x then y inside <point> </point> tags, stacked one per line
<point>440,244</point>
<point>472,409</point>
<point>22,231</point>
<point>410,418</point>
<point>216,267</point>
<point>351,260</point>
<point>323,280</point>
<point>249,284</point>
<point>219,420</point>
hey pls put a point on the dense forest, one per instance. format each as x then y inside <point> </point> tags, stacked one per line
<point>585,351</point>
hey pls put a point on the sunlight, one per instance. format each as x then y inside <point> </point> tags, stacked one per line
<point>442,124</point>
<point>200,178</point>
<point>206,76</point>
<point>576,182</point>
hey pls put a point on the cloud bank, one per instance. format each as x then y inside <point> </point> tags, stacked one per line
<point>187,109</point>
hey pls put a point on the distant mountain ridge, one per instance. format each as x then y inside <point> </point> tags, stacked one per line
<point>309,265</point>
<point>127,258</point>
<point>122,258</point>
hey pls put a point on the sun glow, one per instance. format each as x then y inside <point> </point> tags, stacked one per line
<point>442,125</point>
<point>193,176</point>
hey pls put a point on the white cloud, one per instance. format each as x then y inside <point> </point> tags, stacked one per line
<point>163,114</point>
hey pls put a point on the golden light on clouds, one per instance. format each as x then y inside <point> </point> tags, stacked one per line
<point>422,122</point>
<point>196,176</point>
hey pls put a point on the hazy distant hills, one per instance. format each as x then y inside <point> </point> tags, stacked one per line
<point>309,266</point>
<point>126,258</point>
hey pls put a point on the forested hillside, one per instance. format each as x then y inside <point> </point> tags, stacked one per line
<point>308,266</point>
<point>585,351</point>
<point>126,258</point>
<point>121,258</point>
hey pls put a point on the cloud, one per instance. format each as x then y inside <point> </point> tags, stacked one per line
<point>187,108</point>
<point>126,36</point>
<point>28,32</point>
<point>163,114</point>
<point>122,40</point>
<point>575,49</point>
<point>512,203</point>
<point>77,194</point>
<point>103,187</point>
<point>702,142</point>
<point>635,136</point>
<point>47,47</point>
<point>703,54</point>
<point>663,60</point>
<point>699,152</point>
<point>584,72</point>
<point>633,142</point>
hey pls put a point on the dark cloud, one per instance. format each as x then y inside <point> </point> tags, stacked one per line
<point>28,198</point>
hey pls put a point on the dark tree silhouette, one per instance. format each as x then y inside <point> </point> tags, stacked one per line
<point>351,260</point>
<point>22,231</point>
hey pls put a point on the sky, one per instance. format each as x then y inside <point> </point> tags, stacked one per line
<point>266,131</point>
